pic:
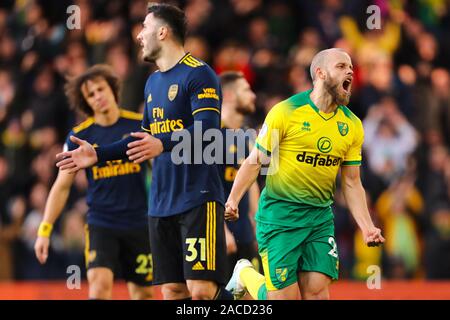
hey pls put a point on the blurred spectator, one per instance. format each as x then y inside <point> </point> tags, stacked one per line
<point>131,76</point>
<point>7,95</point>
<point>389,140</point>
<point>234,57</point>
<point>372,42</point>
<point>439,104</point>
<point>299,79</point>
<point>198,46</point>
<point>42,168</point>
<point>73,61</point>
<point>307,47</point>
<point>9,235</point>
<point>72,237</point>
<point>197,12</point>
<point>326,16</point>
<point>37,199</point>
<point>29,268</point>
<point>12,211</point>
<point>437,242</point>
<point>378,79</point>
<point>437,222</point>
<point>434,181</point>
<point>16,150</point>
<point>398,208</point>
<point>9,56</point>
<point>48,108</point>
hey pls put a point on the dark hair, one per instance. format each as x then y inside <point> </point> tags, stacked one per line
<point>73,86</point>
<point>229,77</point>
<point>171,15</point>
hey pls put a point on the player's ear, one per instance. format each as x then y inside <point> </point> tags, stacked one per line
<point>321,74</point>
<point>228,94</point>
<point>162,32</point>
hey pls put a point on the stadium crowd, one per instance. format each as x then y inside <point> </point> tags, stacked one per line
<point>401,91</point>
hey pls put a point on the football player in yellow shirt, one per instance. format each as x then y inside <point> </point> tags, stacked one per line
<point>307,139</point>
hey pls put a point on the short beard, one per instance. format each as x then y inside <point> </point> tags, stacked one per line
<point>333,89</point>
<point>244,110</point>
<point>152,56</point>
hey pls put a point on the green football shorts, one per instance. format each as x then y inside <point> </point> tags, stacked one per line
<point>286,251</point>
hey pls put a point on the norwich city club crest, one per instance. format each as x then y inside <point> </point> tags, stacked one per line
<point>343,128</point>
<point>282,274</point>
<point>173,90</point>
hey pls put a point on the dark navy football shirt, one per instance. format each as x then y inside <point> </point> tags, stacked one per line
<point>241,229</point>
<point>174,99</point>
<point>117,194</point>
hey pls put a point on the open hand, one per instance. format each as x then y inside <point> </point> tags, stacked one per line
<point>80,158</point>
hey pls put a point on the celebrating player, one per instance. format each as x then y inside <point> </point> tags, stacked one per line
<point>314,135</point>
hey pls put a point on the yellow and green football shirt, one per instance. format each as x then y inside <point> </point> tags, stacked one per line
<point>307,148</point>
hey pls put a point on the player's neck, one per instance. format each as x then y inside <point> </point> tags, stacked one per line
<point>171,54</point>
<point>323,100</point>
<point>231,119</point>
<point>107,118</point>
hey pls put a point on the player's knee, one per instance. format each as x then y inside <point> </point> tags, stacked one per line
<point>202,293</point>
<point>316,292</point>
<point>100,285</point>
<point>202,289</point>
<point>100,290</point>
<point>174,291</point>
<point>144,293</point>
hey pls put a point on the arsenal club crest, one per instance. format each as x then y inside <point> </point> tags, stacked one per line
<point>173,90</point>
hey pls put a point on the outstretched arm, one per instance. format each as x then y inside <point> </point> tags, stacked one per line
<point>356,200</point>
<point>141,146</point>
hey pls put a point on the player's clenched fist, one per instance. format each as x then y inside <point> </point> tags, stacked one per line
<point>373,237</point>
<point>231,211</point>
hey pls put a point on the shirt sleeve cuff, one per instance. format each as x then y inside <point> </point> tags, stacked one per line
<point>261,148</point>
<point>352,163</point>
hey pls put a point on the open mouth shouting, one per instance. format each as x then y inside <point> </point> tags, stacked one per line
<point>347,85</point>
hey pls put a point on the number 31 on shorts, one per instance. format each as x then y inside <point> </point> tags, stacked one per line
<point>193,249</point>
